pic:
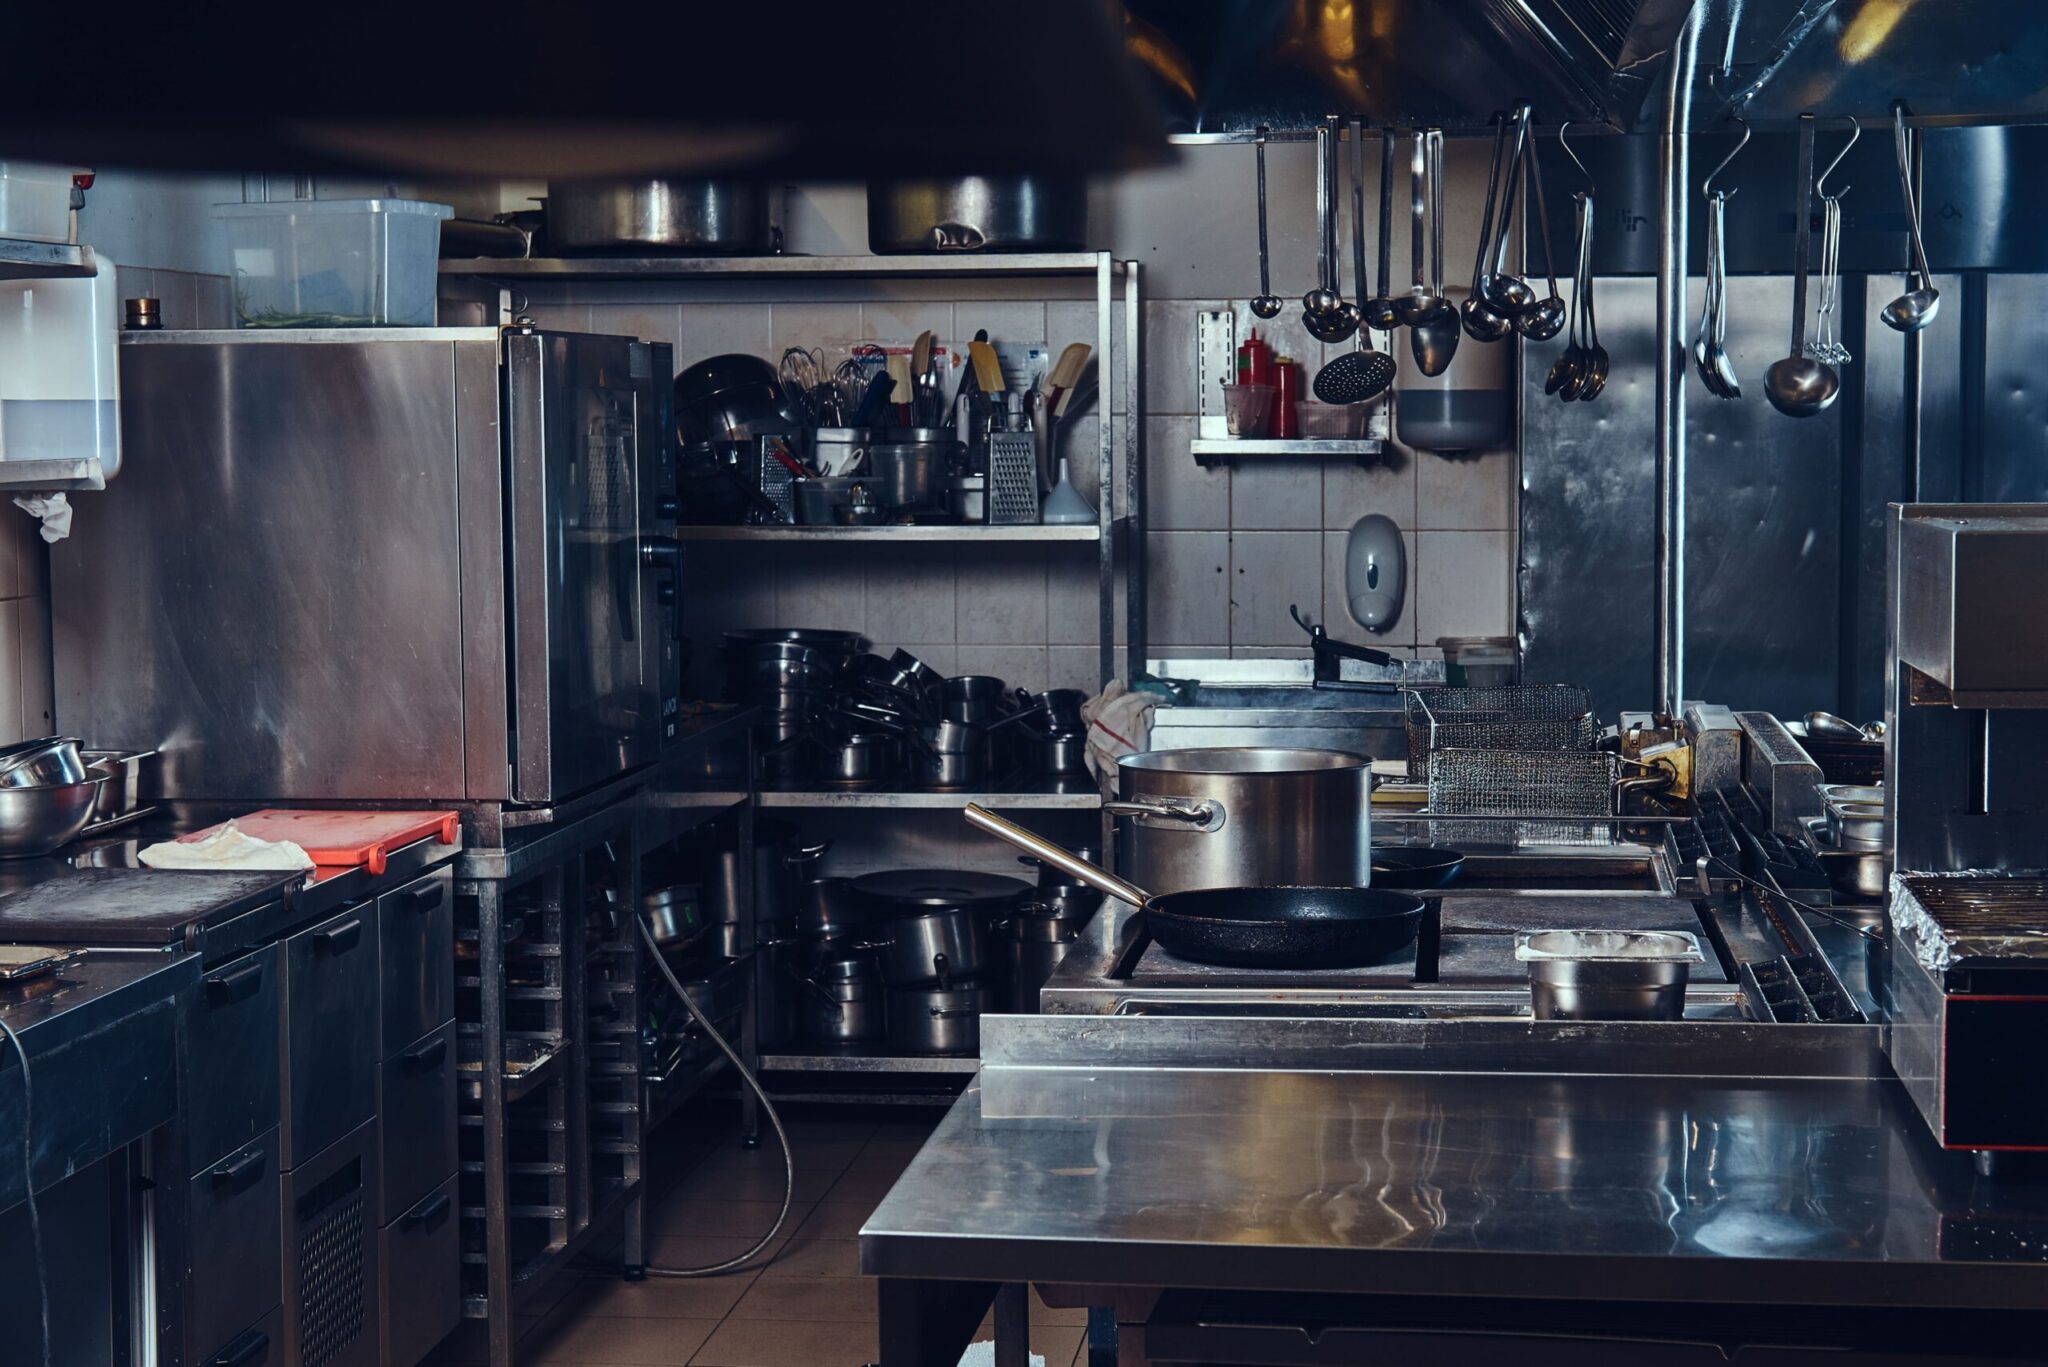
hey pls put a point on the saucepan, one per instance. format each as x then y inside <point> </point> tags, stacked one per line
<point>1276,927</point>
<point>1415,866</point>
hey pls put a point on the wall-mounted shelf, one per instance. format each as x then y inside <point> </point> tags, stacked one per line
<point>1215,450</point>
<point>586,268</point>
<point>958,532</point>
<point>22,259</point>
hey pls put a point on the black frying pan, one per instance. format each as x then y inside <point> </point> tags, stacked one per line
<point>1279,927</point>
<point>1415,866</point>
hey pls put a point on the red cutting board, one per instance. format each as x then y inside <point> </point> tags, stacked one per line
<point>344,838</point>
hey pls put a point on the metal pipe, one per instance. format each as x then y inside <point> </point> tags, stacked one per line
<point>1674,172</point>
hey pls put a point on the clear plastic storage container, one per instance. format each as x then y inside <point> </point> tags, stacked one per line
<point>35,201</point>
<point>334,263</point>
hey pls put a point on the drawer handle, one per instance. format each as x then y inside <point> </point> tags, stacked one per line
<point>341,939</point>
<point>252,1346</point>
<point>223,989</point>
<point>424,899</point>
<point>240,1171</point>
<point>428,1211</point>
<point>426,1056</point>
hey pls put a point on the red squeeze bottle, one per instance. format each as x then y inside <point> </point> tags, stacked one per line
<point>1259,361</point>
<point>1287,376</point>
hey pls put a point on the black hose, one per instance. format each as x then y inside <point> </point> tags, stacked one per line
<point>781,1135</point>
<point>28,1173</point>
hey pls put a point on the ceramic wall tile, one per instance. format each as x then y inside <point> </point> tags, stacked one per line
<point>1189,591</point>
<point>1169,342</point>
<point>900,320</point>
<point>1073,667</point>
<point>559,315</point>
<point>38,708</point>
<point>648,322</point>
<point>1020,322</point>
<point>1073,601</point>
<point>832,327</point>
<point>1020,666</point>
<point>1386,485</point>
<point>1469,491</point>
<point>1002,595</point>
<point>1269,572</point>
<point>1181,495</point>
<point>1276,496</point>
<point>943,656</point>
<point>1337,619</point>
<point>215,302</point>
<point>717,329</point>
<point>1068,321</point>
<point>910,592</point>
<point>815,586</point>
<point>1464,584</point>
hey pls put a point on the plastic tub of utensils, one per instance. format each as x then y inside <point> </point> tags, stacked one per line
<point>1248,409</point>
<point>1329,421</point>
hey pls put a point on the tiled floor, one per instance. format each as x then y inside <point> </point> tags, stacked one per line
<point>809,1307</point>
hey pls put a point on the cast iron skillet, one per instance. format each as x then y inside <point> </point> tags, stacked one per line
<point>1415,866</point>
<point>1278,927</point>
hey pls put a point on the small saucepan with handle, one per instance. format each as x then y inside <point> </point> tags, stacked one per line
<point>1275,927</point>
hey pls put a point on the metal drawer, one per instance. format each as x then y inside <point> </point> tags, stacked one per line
<point>416,1121</point>
<point>416,957</point>
<point>330,1008</point>
<point>260,1345</point>
<point>422,1258</point>
<point>329,1252</point>
<point>227,1059</point>
<point>234,1212</point>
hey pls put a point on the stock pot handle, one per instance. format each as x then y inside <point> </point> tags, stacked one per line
<point>1184,813</point>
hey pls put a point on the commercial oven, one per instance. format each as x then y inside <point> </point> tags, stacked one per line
<point>408,563</point>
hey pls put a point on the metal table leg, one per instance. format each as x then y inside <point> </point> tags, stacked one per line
<point>930,1323</point>
<point>1101,1336</point>
<point>1013,1325</point>
<point>490,962</point>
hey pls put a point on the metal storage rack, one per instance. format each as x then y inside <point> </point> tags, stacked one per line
<point>1111,535</point>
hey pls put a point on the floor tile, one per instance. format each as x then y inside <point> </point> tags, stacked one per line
<point>838,1220</point>
<point>788,1343</point>
<point>705,1250</point>
<point>659,1298</point>
<point>714,1181</point>
<point>867,1188</point>
<point>705,1214</point>
<point>615,1341</point>
<point>845,1299</point>
<point>816,1258</point>
<point>469,1345</point>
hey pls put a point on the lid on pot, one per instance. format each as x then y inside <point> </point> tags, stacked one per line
<point>930,889</point>
<point>1241,760</point>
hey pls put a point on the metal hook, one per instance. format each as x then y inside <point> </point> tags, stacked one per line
<point>1563,142</point>
<point>1820,185</point>
<point>1707,185</point>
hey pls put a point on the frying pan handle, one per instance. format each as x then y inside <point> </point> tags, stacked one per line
<point>1061,859</point>
<point>1203,814</point>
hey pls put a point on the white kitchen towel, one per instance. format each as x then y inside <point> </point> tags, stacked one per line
<point>54,511</point>
<point>227,848</point>
<point>983,1354</point>
<point>1119,724</point>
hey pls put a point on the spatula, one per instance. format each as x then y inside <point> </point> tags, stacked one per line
<point>988,371</point>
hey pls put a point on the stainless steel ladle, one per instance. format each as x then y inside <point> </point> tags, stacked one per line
<point>1914,309</point>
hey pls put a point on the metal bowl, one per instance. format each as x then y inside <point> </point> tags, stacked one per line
<point>51,761</point>
<point>1608,974</point>
<point>39,821</point>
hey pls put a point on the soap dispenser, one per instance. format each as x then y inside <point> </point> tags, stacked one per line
<point>1375,569</point>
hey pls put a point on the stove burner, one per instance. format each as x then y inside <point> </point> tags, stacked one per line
<point>1985,906</point>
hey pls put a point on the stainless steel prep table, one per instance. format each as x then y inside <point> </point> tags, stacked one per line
<point>1692,1162</point>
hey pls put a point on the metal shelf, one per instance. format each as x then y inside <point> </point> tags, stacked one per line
<point>1209,450</point>
<point>765,267</point>
<point>1083,798</point>
<point>867,1058</point>
<point>21,259</point>
<point>1088,532</point>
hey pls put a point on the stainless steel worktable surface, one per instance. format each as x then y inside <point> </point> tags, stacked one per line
<point>1816,1185</point>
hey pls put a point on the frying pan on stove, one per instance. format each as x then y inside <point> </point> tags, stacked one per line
<point>1276,927</point>
<point>1415,866</point>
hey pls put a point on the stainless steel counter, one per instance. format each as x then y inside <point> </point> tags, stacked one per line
<point>1339,1164</point>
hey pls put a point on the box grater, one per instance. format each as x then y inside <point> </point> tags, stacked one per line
<point>1012,479</point>
<point>777,483</point>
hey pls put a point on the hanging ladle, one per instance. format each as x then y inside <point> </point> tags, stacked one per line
<point>1545,319</point>
<point>1799,386</point>
<point>1322,308</point>
<point>1378,311</point>
<point>1267,305</point>
<point>1484,323</point>
<point>1509,295</point>
<point>1914,309</point>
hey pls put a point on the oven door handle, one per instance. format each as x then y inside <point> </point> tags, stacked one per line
<point>665,552</point>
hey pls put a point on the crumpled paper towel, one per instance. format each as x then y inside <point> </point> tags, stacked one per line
<point>983,1354</point>
<point>53,509</point>
<point>227,848</point>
